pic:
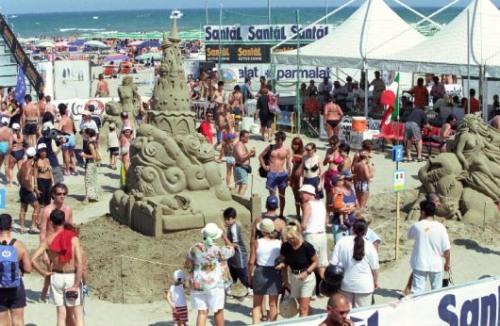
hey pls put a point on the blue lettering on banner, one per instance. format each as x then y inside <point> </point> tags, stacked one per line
<point>283,73</point>
<point>2,198</point>
<point>472,313</point>
<point>370,321</point>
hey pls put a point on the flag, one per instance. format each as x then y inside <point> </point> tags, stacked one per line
<point>20,91</point>
<point>390,99</point>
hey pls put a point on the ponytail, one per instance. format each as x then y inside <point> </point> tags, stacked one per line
<point>360,227</point>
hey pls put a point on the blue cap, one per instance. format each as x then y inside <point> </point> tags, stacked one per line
<point>272,202</point>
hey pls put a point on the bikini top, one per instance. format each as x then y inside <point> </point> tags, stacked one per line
<point>313,168</point>
<point>42,169</point>
<point>297,159</point>
<point>336,160</point>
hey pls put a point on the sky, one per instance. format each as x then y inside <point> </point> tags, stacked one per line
<point>37,6</point>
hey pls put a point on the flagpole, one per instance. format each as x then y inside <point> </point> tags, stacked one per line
<point>398,195</point>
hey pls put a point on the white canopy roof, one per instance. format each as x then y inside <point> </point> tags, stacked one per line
<point>374,30</point>
<point>446,51</point>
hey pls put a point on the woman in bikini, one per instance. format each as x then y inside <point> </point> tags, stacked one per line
<point>333,115</point>
<point>332,156</point>
<point>16,152</point>
<point>311,169</point>
<point>297,154</point>
<point>125,139</point>
<point>43,176</point>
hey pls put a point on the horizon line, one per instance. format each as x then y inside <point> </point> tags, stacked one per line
<point>211,7</point>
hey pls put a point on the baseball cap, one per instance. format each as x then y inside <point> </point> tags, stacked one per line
<point>5,222</point>
<point>16,126</point>
<point>179,275</point>
<point>266,225</point>
<point>86,112</point>
<point>41,146</point>
<point>309,189</point>
<point>47,125</point>
<point>31,152</point>
<point>5,120</point>
<point>272,202</point>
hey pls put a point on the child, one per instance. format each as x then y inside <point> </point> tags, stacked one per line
<point>340,219</point>
<point>238,262</point>
<point>176,298</point>
<point>227,152</point>
<point>113,146</point>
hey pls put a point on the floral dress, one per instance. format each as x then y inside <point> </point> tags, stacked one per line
<point>208,268</point>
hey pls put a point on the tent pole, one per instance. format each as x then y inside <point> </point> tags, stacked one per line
<point>468,60</point>
<point>365,68</point>
<point>219,68</point>
<point>484,102</point>
<point>297,87</point>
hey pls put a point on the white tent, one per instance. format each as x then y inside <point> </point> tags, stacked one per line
<point>374,30</point>
<point>446,51</point>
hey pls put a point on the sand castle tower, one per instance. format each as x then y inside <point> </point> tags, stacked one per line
<point>173,182</point>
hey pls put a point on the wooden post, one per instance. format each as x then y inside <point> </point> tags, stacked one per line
<point>398,215</point>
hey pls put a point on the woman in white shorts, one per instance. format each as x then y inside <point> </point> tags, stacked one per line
<point>299,260</point>
<point>209,275</point>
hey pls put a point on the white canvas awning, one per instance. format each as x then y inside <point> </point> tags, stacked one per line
<point>446,51</point>
<point>374,30</point>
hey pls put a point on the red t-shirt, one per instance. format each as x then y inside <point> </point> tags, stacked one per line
<point>421,96</point>
<point>475,106</point>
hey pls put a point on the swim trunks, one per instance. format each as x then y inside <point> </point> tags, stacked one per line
<point>4,147</point>
<point>230,160</point>
<point>30,128</point>
<point>70,142</point>
<point>362,186</point>
<point>18,155</point>
<point>14,298</point>
<point>240,175</point>
<point>26,196</point>
<point>277,179</point>
<point>412,131</point>
<point>59,282</point>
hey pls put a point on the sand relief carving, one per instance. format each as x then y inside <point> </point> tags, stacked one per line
<point>467,179</point>
<point>130,102</point>
<point>173,182</point>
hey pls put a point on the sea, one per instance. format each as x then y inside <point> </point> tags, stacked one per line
<point>77,23</point>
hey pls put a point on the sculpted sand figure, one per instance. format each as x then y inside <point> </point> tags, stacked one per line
<point>467,179</point>
<point>173,182</point>
<point>130,99</point>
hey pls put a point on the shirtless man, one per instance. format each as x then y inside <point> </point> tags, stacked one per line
<point>102,87</point>
<point>16,152</point>
<point>338,308</point>
<point>242,156</point>
<point>67,269</point>
<point>67,126</point>
<point>363,172</point>
<point>59,192</point>
<point>29,120</point>
<point>333,115</point>
<point>27,193</point>
<point>5,139</point>
<point>278,167</point>
<point>13,300</point>
<point>49,106</point>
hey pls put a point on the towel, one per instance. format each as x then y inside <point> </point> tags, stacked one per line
<point>62,245</point>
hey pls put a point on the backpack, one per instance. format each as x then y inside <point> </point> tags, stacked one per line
<point>267,158</point>
<point>10,273</point>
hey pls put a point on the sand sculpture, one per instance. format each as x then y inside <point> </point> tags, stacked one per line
<point>467,179</point>
<point>173,182</point>
<point>130,101</point>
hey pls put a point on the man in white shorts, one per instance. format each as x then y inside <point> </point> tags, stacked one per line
<point>314,227</point>
<point>65,254</point>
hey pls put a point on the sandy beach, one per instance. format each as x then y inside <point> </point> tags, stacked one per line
<point>140,284</point>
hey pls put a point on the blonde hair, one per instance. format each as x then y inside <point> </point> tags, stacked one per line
<point>293,232</point>
<point>363,215</point>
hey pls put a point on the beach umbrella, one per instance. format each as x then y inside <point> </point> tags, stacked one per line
<point>61,44</point>
<point>149,44</point>
<point>149,55</point>
<point>45,44</point>
<point>78,42</point>
<point>96,44</point>
<point>135,43</point>
<point>116,57</point>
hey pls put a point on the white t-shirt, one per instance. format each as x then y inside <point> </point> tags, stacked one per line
<point>431,241</point>
<point>178,295</point>
<point>316,222</point>
<point>358,277</point>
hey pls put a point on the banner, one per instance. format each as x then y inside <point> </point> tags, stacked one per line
<point>46,71</point>
<point>476,304</point>
<point>263,33</point>
<point>77,105</point>
<point>283,72</point>
<point>72,79</point>
<point>243,53</point>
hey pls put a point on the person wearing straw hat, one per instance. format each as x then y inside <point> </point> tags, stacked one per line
<point>209,275</point>
<point>263,276</point>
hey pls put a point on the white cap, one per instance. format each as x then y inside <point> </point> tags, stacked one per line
<point>31,152</point>
<point>212,231</point>
<point>41,146</point>
<point>5,120</point>
<point>179,275</point>
<point>16,126</point>
<point>308,189</point>
<point>47,125</point>
<point>125,128</point>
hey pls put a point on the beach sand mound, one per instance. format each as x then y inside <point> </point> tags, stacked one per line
<point>144,277</point>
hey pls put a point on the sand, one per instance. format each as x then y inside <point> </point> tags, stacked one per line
<point>474,253</point>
